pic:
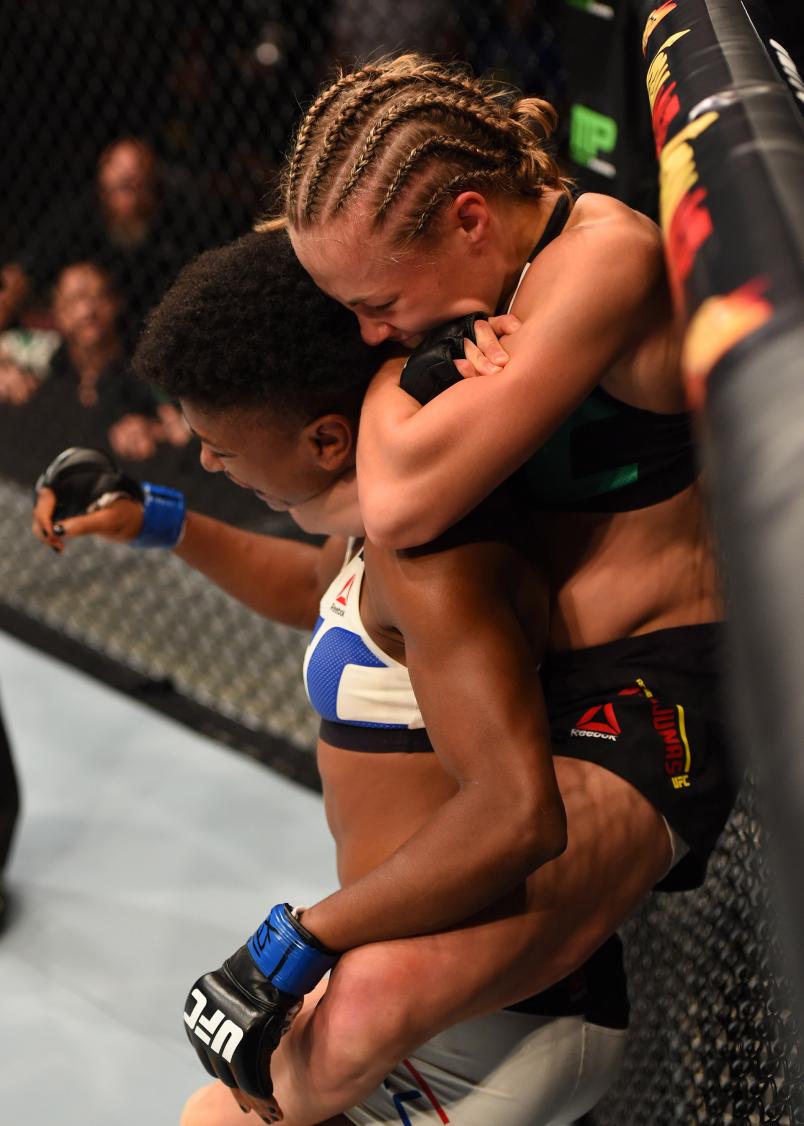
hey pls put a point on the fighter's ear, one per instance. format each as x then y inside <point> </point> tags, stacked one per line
<point>330,441</point>
<point>470,214</point>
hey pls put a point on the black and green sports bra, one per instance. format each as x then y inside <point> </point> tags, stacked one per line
<point>607,456</point>
<point>610,457</point>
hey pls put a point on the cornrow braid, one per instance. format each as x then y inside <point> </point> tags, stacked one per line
<point>372,134</point>
<point>333,139</point>
<point>453,187</point>
<point>395,78</point>
<point>311,119</point>
<point>424,150</point>
<point>386,85</point>
<point>457,107</point>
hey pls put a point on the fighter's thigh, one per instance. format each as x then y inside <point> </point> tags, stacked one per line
<point>405,991</point>
<point>213,1105</point>
<point>618,848</point>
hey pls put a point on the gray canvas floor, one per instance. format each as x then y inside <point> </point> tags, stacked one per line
<point>144,856</point>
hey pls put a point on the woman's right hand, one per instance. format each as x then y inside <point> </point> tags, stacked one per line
<point>487,356</point>
<point>119,522</point>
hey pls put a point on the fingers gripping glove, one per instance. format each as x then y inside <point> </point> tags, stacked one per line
<point>85,480</point>
<point>236,1016</point>
<point>430,367</point>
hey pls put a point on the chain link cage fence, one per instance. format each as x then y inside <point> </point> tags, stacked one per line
<point>139,133</point>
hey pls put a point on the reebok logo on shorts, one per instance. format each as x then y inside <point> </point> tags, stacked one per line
<point>593,725</point>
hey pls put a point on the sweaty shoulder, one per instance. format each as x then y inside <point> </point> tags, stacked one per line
<point>609,218</point>
<point>606,249</point>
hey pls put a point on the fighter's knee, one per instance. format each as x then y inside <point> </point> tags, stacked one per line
<point>208,1106</point>
<point>370,1012</point>
<point>195,1110</point>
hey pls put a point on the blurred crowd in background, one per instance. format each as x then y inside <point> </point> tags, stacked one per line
<point>145,133</point>
<point>72,305</point>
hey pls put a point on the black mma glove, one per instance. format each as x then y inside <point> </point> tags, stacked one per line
<point>236,1016</point>
<point>84,480</point>
<point>430,367</point>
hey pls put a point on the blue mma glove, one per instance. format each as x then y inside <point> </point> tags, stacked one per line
<point>430,367</point>
<point>84,480</point>
<point>236,1016</point>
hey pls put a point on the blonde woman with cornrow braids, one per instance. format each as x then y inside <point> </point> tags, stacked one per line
<point>416,194</point>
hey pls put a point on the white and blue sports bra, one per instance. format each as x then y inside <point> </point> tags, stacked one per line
<point>364,697</point>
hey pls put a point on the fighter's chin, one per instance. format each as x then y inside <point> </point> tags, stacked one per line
<point>320,521</point>
<point>274,505</point>
<point>334,510</point>
<point>312,522</point>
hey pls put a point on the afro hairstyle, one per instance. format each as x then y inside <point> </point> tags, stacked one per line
<point>244,326</point>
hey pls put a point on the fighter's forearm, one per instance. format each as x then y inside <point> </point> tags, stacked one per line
<point>276,577</point>
<point>476,847</point>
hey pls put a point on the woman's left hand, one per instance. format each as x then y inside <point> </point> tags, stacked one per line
<point>119,522</point>
<point>487,356</point>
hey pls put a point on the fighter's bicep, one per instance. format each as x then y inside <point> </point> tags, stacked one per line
<point>562,302</point>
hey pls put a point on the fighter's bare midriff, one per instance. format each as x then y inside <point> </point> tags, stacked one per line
<point>616,575</point>
<point>627,573</point>
<point>375,802</point>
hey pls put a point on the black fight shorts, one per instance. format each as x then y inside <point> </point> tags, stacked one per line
<point>649,709</point>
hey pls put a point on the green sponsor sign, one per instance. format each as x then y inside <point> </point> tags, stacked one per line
<point>591,133</point>
<point>594,8</point>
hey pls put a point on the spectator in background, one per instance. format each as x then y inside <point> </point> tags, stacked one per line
<point>91,368</point>
<point>84,394</point>
<point>129,223</point>
<point>15,290</point>
<point>89,397</point>
<point>25,356</point>
<point>128,192</point>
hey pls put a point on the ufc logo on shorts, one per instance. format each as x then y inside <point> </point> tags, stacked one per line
<point>227,1035</point>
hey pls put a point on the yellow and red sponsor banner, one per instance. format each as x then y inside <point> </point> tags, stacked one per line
<point>717,326</point>
<point>723,273</point>
<point>654,19</point>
